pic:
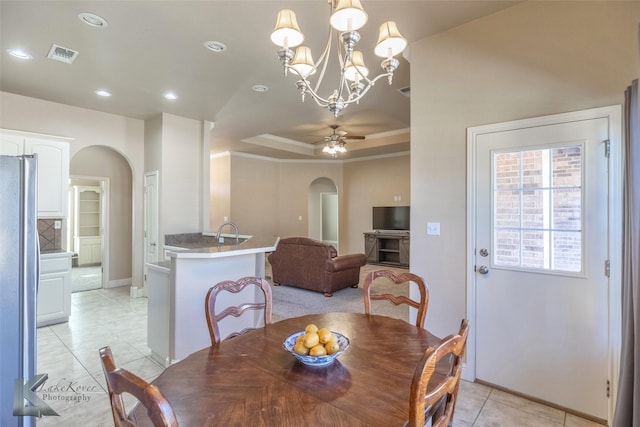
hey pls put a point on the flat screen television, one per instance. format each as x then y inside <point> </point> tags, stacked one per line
<point>391,217</point>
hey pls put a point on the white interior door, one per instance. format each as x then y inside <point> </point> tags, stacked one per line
<point>541,250</point>
<point>151,217</point>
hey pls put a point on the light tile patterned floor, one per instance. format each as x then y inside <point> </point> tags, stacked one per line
<point>75,389</point>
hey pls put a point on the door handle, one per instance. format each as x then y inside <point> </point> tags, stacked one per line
<point>483,269</point>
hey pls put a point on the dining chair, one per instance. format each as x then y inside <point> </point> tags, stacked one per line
<point>438,404</point>
<point>214,318</point>
<point>398,279</point>
<point>121,381</point>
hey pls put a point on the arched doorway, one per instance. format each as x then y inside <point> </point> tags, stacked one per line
<point>323,211</point>
<point>102,168</point>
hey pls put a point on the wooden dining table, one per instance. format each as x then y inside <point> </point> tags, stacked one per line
<point>251,380</point>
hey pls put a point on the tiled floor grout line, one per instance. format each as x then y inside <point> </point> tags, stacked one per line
<point>481,408</point>
<point>75,357</point>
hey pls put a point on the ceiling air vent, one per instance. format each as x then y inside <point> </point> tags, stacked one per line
<point>62,54</point>
<point>406,91</point>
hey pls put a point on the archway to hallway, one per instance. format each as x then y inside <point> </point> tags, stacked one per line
<point>323,211</point>
<point>113,175</point>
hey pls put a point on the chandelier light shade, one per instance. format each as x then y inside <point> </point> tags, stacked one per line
<point>390,41</point>
<point>303,62</point>
<point>355,68</point>
<point>287,34</point>
<point>346,17</point>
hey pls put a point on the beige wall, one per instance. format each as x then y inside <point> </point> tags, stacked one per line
<point>105,162</point>
<point>88,128</point>
<point>268,196</point>
<point>371,183</point>
<point>254,196</point>
<point>153,144</point>
<point>533,59</point>
<point>294,182</point>
<point>181,175</point>
<point>220,190</point>
<point>174,147</point>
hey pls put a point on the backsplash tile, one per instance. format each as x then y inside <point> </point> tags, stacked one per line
<point>50,238</point>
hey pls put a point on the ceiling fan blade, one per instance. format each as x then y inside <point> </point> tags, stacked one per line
<point>354,137</point>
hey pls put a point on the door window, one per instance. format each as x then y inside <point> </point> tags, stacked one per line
<point>537,209</point>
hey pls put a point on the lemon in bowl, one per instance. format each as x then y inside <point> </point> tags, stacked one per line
<point>320,354</point>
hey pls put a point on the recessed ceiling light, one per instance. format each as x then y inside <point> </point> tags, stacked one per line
<point>93,20</point>
<point>215,46</point>
<point>19,53</point>
<point>104,93</point>
<point>260,88</point>
<point>170,96</point>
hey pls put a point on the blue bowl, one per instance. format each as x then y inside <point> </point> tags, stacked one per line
<point>290,341</point>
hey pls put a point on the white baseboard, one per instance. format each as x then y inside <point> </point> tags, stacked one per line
<point>118,283</point>
<point>138,292</point>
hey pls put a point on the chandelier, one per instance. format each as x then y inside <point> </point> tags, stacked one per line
<point>347,17</point>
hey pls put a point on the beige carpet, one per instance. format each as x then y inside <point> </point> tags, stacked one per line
<point>289,301</point>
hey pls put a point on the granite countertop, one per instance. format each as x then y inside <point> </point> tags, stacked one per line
<point>254,244</point>
<point>188,248</point>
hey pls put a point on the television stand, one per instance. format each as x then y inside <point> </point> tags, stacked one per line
<point>387,248</point>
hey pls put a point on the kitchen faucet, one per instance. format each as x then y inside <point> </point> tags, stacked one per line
<point>232,224</point>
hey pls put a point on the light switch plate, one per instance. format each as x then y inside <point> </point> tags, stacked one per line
<point>57,225</point>
<point>433,228</point>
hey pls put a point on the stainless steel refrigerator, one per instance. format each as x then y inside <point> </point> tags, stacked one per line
<point>19,275</point>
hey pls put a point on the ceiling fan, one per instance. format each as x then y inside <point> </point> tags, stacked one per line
<point>335,143</point>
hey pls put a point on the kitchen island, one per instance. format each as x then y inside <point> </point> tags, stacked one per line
<point>176,290</point>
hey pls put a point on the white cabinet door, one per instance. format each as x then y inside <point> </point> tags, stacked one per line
<point>53,175</point>
<point>53,167</point>
<point>11,145</point>
<point>50,296</point>
<point>54,290</point>
<point>89,250</point>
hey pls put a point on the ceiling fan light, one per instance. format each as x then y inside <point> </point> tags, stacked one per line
<point>287,32</point>
<point>303,62</point>
<point>390,41</point>
<point>348,16</point>
<point>355,69</point>
<point>326,149</point>
<point>341,148</point>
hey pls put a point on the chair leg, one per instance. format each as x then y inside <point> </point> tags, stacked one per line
<point>354,286</point>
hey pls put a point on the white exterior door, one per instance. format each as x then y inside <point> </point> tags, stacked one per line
<point>541,250</point>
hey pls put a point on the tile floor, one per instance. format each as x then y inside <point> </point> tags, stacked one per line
<point>86,278</point>
<point>75,389</point>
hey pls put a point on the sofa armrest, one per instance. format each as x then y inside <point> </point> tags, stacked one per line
<point>344,262</point>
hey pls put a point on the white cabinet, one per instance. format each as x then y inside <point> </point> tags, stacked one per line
<point>53,167</point>
<point>89,250</point>
<point>87,230</point>
<point>54,290</point>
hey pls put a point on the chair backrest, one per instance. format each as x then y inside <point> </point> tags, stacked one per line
<point>213,318</point>
<point>122,381</point>
<point>437,401</point>
<point>398,279</point>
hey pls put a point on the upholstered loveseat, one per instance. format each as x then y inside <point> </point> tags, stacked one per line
<point>314,265</point>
